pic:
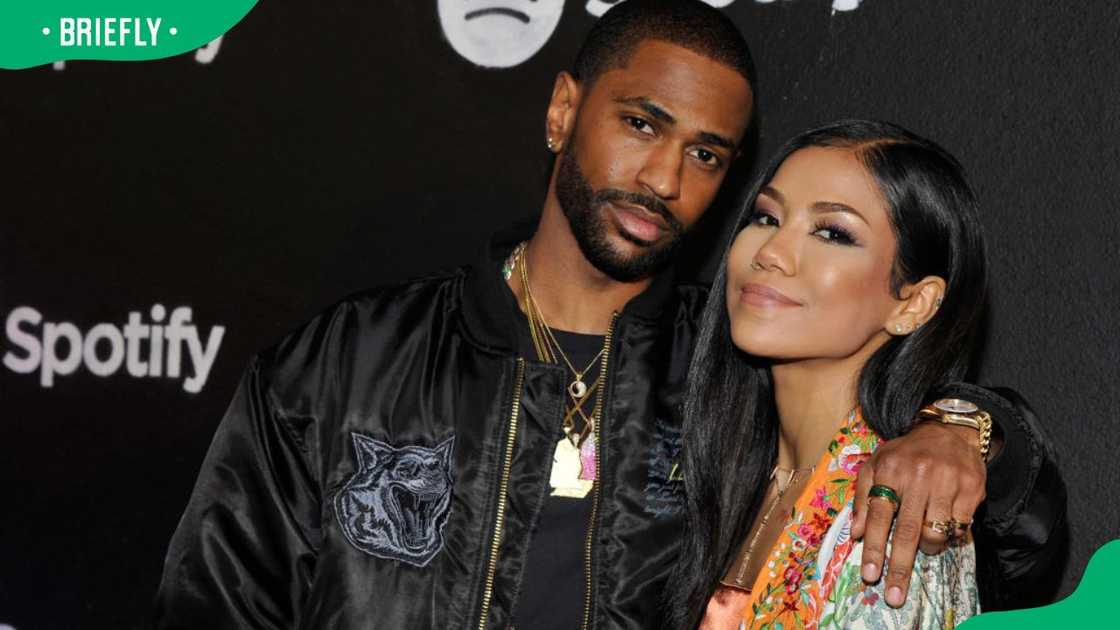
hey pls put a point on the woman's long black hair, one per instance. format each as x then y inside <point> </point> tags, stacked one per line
<point>731,425</point>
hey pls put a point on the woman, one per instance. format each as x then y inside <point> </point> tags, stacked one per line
<point>854,286</point>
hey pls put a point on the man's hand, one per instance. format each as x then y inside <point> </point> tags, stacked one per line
<point>936,470</point>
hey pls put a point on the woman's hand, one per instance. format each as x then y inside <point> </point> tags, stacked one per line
<point>936,471</point>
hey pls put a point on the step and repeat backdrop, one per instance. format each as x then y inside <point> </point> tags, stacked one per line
<point>162,221</point>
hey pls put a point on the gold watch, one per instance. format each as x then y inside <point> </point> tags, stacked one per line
<point>965,414</point>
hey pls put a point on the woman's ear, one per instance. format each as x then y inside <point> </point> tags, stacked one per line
<point>918,305</point>
<point>562,108</point>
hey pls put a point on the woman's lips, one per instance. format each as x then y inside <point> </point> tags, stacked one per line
<point>762,295</point>
<point>640,223</point>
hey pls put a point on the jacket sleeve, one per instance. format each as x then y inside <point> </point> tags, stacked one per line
<point>245,549</point>
<point>1021,531</point>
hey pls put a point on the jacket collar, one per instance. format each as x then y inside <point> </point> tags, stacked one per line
<point>488,313</point>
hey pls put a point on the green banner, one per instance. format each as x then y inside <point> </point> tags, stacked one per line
<point>37,32</point>
<point>1087,607</point>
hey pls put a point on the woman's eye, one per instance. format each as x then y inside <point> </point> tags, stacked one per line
<point>834,234</point>
<point>761,217</point>
<point>639,124</point>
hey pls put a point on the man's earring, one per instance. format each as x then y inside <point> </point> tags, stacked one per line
<point>551,144</point>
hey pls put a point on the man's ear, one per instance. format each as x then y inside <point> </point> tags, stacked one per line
<point>562,108</point>
<point>918,305</point>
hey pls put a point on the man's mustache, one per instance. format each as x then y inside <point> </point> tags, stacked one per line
<point>651,204</point>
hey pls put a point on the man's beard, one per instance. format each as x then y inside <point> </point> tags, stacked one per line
<point>583,207</point>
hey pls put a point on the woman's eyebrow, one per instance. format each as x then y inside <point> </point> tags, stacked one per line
<point>836,206</point>
<point>772,192</point>
<point>819,207</point>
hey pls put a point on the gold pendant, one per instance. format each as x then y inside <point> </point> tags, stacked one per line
<point>578,389</point>
<point>566,469</point>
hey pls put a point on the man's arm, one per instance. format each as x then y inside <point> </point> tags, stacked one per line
<point>1022,534</point>
<point>938,474</point>
<point>246,545</point>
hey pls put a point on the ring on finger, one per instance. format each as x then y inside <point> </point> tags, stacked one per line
<point>887,493</point>
<point>945,528</point>
<point>960,528</point>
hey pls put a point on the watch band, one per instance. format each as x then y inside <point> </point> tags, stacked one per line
<point>976,419</point>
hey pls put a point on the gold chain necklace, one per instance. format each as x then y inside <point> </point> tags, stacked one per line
<point>574,462</point>
<point>548,349</point>
<point>739,580</point>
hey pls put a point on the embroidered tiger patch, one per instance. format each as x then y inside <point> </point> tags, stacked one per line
<point>396,503</point>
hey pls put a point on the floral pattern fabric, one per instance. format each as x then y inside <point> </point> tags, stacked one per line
<point>811,579</point>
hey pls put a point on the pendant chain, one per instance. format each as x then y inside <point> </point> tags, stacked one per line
<point>745,559</point>
<point>548,349</point>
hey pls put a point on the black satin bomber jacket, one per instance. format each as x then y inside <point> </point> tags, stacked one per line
<point>409,367</point>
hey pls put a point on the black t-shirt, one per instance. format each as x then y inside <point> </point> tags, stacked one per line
<point>553,586</point>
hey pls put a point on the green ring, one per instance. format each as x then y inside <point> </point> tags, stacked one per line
<point>886,493</point>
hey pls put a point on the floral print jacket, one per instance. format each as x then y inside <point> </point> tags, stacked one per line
<point>812,578</point>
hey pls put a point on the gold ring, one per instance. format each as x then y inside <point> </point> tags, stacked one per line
<point>941,527</point>
<point>879,491</point>
<point>894,506</point>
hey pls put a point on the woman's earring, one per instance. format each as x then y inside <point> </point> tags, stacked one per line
<point>898,328</point>
<point>551,144</point>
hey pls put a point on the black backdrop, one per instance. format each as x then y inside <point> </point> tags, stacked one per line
<point>317,150</point>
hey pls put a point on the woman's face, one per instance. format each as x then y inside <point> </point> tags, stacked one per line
<point>810,274</point>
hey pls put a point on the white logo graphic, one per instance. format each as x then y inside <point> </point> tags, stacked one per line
<point>204,56</point>
<point>83,32</point>
<point>145,350</point>
<point>837,5</point>
<point>498,33</point>
<point>207,53</point>
<point>599,7</point>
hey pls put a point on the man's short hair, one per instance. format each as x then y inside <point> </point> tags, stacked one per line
<point>690,24</point>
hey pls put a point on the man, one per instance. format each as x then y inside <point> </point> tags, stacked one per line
<point>495,447</point>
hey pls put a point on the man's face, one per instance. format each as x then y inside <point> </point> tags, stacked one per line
<point>651,145</point>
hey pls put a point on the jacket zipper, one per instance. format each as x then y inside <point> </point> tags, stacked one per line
<point>503,494</point>
<point>590,542</point>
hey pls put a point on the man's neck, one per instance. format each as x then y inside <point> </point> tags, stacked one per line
<point>571,293</point>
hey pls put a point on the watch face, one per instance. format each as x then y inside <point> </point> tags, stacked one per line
<point>956,405</point>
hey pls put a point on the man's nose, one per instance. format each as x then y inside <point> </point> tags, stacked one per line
<point>661,173</point>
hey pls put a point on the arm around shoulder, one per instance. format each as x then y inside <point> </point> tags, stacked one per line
<point>1021,529</point>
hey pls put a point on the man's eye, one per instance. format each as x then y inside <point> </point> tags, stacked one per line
<point>639,124</point>
<point>706,156</point>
